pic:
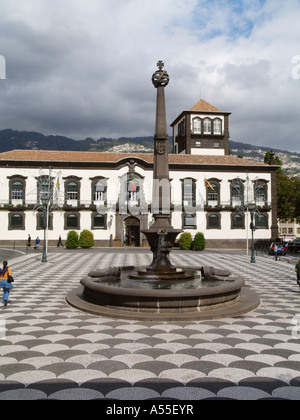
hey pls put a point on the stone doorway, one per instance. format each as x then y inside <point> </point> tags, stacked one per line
<point>132,232</point>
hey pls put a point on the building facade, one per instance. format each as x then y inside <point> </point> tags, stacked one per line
<point>111,195</point>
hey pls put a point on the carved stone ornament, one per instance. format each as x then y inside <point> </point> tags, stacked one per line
<point>161,147</point>
<point>160,77</point>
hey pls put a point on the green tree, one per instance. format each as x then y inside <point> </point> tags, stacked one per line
<point>199,242</point>
<point>86,239</point>
<point>269,156</point>
<point>288,198</point>
<point>72,241</point>
<point>185,241</point>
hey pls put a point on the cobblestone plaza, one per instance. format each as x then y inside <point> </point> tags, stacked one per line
<point>51,351</point>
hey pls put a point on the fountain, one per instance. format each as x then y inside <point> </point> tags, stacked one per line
<point>162,291</point>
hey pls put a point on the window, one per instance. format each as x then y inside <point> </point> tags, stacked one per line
<point>132,191</point>
<point>72,191</point>
<point>16,221</point>
<point>198,144</point>
<point>189,221</point>
<point>217,126</point>
<point>237,193</point>
<point>197,126</point>
<point>17,190</point>
<point>189,195</point>
<point>72,221</point>
<point>213,192</point>
<point>41,223</point>
<point>99,192</point>
<point>99,221</point>
<point>262,221</point>
<point>214,221</point>
<point>216,144</point>
<point>261,192</point>
<point>238,221</point>
<point>207,126</point>
<point>181,128</point>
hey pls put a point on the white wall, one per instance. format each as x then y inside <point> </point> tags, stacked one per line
<point>113,185</point>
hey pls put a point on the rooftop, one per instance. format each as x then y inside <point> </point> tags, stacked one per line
<point>44,156</point>
<point>203,106</point>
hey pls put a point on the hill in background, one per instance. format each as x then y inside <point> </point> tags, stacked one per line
<point>27,140</point>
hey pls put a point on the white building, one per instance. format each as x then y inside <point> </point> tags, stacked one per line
<point>110,194</point>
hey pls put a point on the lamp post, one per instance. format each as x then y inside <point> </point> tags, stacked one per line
<point>253,210</point>
<point>45,195</point>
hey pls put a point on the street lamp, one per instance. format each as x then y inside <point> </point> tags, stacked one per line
<point>45,196</point>
<point>253,209</point>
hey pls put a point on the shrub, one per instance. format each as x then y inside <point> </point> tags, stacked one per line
<point>185,241</point>
<point>72,241</point>
<point>199,242</point>
<point>86,239</point>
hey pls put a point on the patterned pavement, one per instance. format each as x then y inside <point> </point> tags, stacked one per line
<point>48,350</point>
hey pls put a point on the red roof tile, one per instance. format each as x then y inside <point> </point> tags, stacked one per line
<point>68,156</point>
<point>203,106</point>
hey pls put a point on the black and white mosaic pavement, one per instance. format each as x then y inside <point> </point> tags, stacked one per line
<point>48,350</point>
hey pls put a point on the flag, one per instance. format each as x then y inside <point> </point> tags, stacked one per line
<point>208,185</point>
<point>57,185</point>
<point>133,185</point>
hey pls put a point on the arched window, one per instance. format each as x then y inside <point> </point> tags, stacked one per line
<point>197,125</point>
<point>133,190</point>
<point>72,190</point>
<point>189,221</point>
<point>238,221</point>
<point>217,126</point>
<point>262,221</point>
<point>237,192</point>
<point>261,192</point>
<point>213,189</point>
<point>188,195</point>
<point>99,192</point>
<point>214,221</point>
<point>16,221</point>
<point>17,190</point>
<point>99,221</point>
<point>207,126</point>
<point>72,221</point>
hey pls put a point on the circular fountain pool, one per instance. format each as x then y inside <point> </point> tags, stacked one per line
<point>190,296</point>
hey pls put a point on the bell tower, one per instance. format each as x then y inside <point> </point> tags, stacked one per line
<point>203,130</point>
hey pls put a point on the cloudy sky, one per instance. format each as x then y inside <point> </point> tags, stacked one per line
<point>82,68</point>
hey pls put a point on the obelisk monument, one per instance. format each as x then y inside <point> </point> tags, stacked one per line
<point>161,235</point>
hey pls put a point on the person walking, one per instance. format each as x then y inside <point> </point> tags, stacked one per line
<point>29,241</point>
<point>59,243</point>
<point>37,243</point>
<point>297,269</point>
<point>276,252</point>
<point>5,283</point>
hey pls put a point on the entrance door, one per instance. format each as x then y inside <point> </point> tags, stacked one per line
<point>132,232</point>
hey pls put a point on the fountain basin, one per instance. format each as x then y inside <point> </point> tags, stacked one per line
<point>190,298</point>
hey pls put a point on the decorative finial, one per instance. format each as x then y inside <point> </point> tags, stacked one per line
<point>160,65</point>
<point>160,78</point>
